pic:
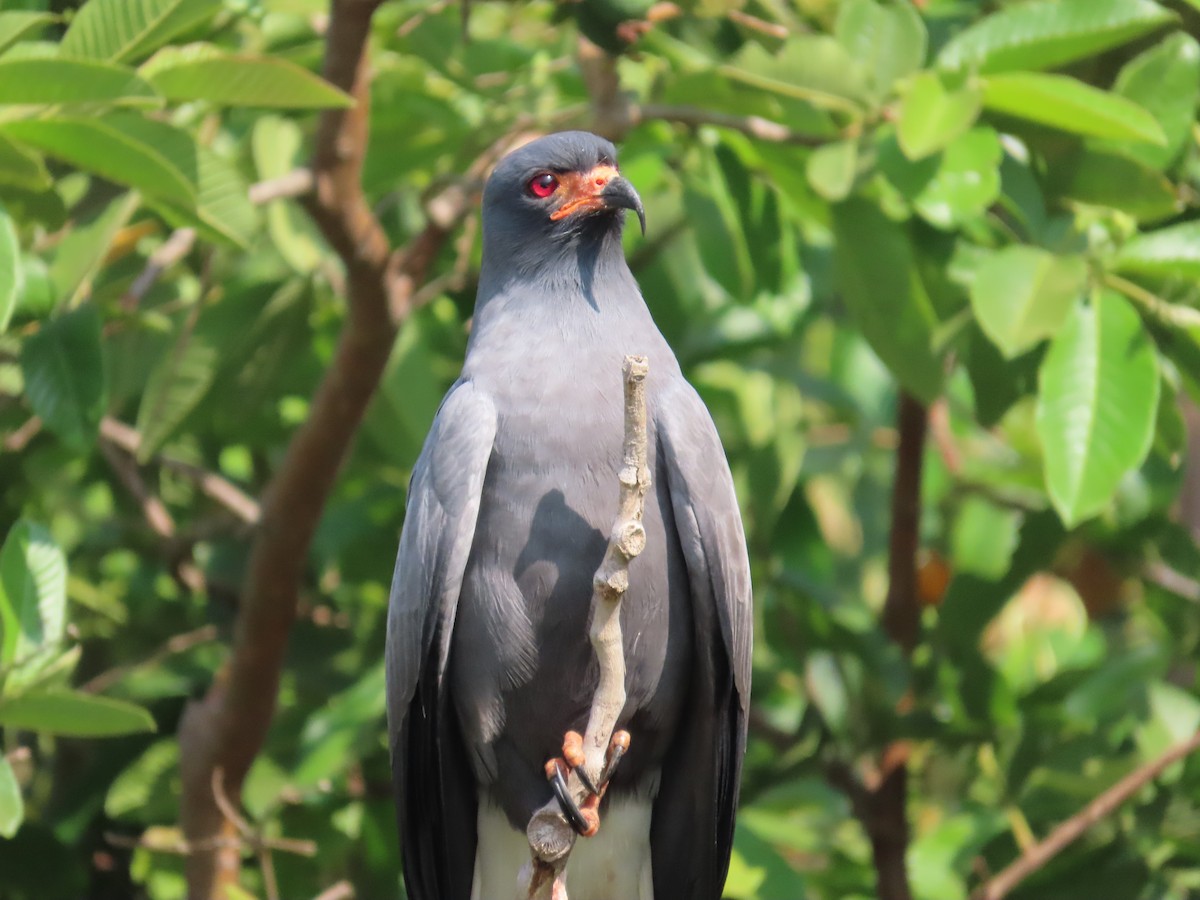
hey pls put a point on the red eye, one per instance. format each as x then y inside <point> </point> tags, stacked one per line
<point>543,185</point>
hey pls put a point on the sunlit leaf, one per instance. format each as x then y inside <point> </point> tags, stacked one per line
<point>1048,33</point>
<point>11,271</point>
<point>73,714</point>
<point>1097,398</point>
<point>33,599</point>
<point>1070,105</point>
<point>203,72</point>
<point>129,29</point>
<point>890,38</point>
<point>1174,250</point>
<point>1022,295</point>
<point>16,24</point>
<point>12,806</point>
<point>22,167</point>
<point>931,116</point>
<point>967,180</point>
<point>814,68</point>
<point>98,147</point>
<point>44,81</point>
<point>831,169</point>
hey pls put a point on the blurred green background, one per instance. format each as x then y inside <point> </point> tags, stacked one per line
<point>988,208</point>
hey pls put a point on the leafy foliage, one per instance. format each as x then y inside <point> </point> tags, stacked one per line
<point>991,207</point>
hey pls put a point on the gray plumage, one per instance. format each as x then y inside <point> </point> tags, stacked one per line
<point>509,508</point>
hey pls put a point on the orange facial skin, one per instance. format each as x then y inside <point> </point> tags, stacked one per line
<point>581,191</point>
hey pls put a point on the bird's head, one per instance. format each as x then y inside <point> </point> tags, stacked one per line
<point>560,190</point>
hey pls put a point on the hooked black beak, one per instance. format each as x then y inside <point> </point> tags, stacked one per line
<point>619,194</point>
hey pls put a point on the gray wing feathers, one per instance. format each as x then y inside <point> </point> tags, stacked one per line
<point>709,524</point>
<point>439,527</point>
<point>692,825</point>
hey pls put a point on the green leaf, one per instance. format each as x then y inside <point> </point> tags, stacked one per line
<point>64,376</point>
<point>1022,295</point>
<point>221,208</point>
<point>33,600</point>
<point>831,169</point>
<point>1167,252</point>
<point>11,271</point>
<point>22,167</point>
<point>984,538</point>
<point>173,388</point>
<point>15,25</point>
<point>202,72</point>
<point>119,30</point>
<point>967,181</point>
<point>1049,33</point>
<point>1116,182</point>
<point>55,81</point>
<point>12,806</point>
<point>1165,81</point>
<point>814,68</point>
<point>73,714</point>
<point>890,38</point>
<point>277,144</point>
<point>1070,105</point>
<point>80,254</point>
<point>883,290</point>
<point>932,116</point>
<point>96,146</point>
<point>1097,396</point>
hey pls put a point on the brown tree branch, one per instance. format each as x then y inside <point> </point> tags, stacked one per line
<point>550,836</point>
<point>226,730</point>
<point>1072,829</point>
<point>884,811</point>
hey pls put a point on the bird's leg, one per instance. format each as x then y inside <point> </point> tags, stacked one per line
<point>584,817</point>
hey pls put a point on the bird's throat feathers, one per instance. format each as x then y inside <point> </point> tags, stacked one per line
<point>582,273</point>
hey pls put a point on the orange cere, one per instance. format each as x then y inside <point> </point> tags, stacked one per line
<point>581,191</point>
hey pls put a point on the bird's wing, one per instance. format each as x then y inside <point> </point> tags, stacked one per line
<point>692,829</point>
<point>435,788</point>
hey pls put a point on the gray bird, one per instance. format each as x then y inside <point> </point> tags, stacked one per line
<point>509,509</point>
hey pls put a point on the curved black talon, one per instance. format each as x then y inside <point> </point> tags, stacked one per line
<point>569,810</point>
<point>587,782</point>
<point>615,753</point>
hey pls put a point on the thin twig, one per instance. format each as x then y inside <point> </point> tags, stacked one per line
<point>1172,314</point>
<point>1067,832</point>
<point>16,441</point>
<point>219,489</point>
<point>176,644</point>
<point>295,183</point>
<point>343,890</point>
<point>550,836</point>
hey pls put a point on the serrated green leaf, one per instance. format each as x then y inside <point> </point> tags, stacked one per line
<point>1165,81</point>
<point>62,81</point>
<point>883,290</point>
<point>1097,397</point>
<point>831,169</point>
<point>74,714</point>
<point>33,600</point>
<point>203,72</point>
<point>932,116</point>
<point>1022,295</point>
<point>12,806</point>
<point>1167,252</point>
<point>120,30</point>
<point>95,146</point>
<point>1048,33</point>
<point>1070,105</point>
<point>22,167</point>
<point>175,385</point>
<point>11,271</point>
<point>814,68</point>
<point>16,24</point>
<point>890,38</point>
<point>82,250</point>
<point>64,375</point>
